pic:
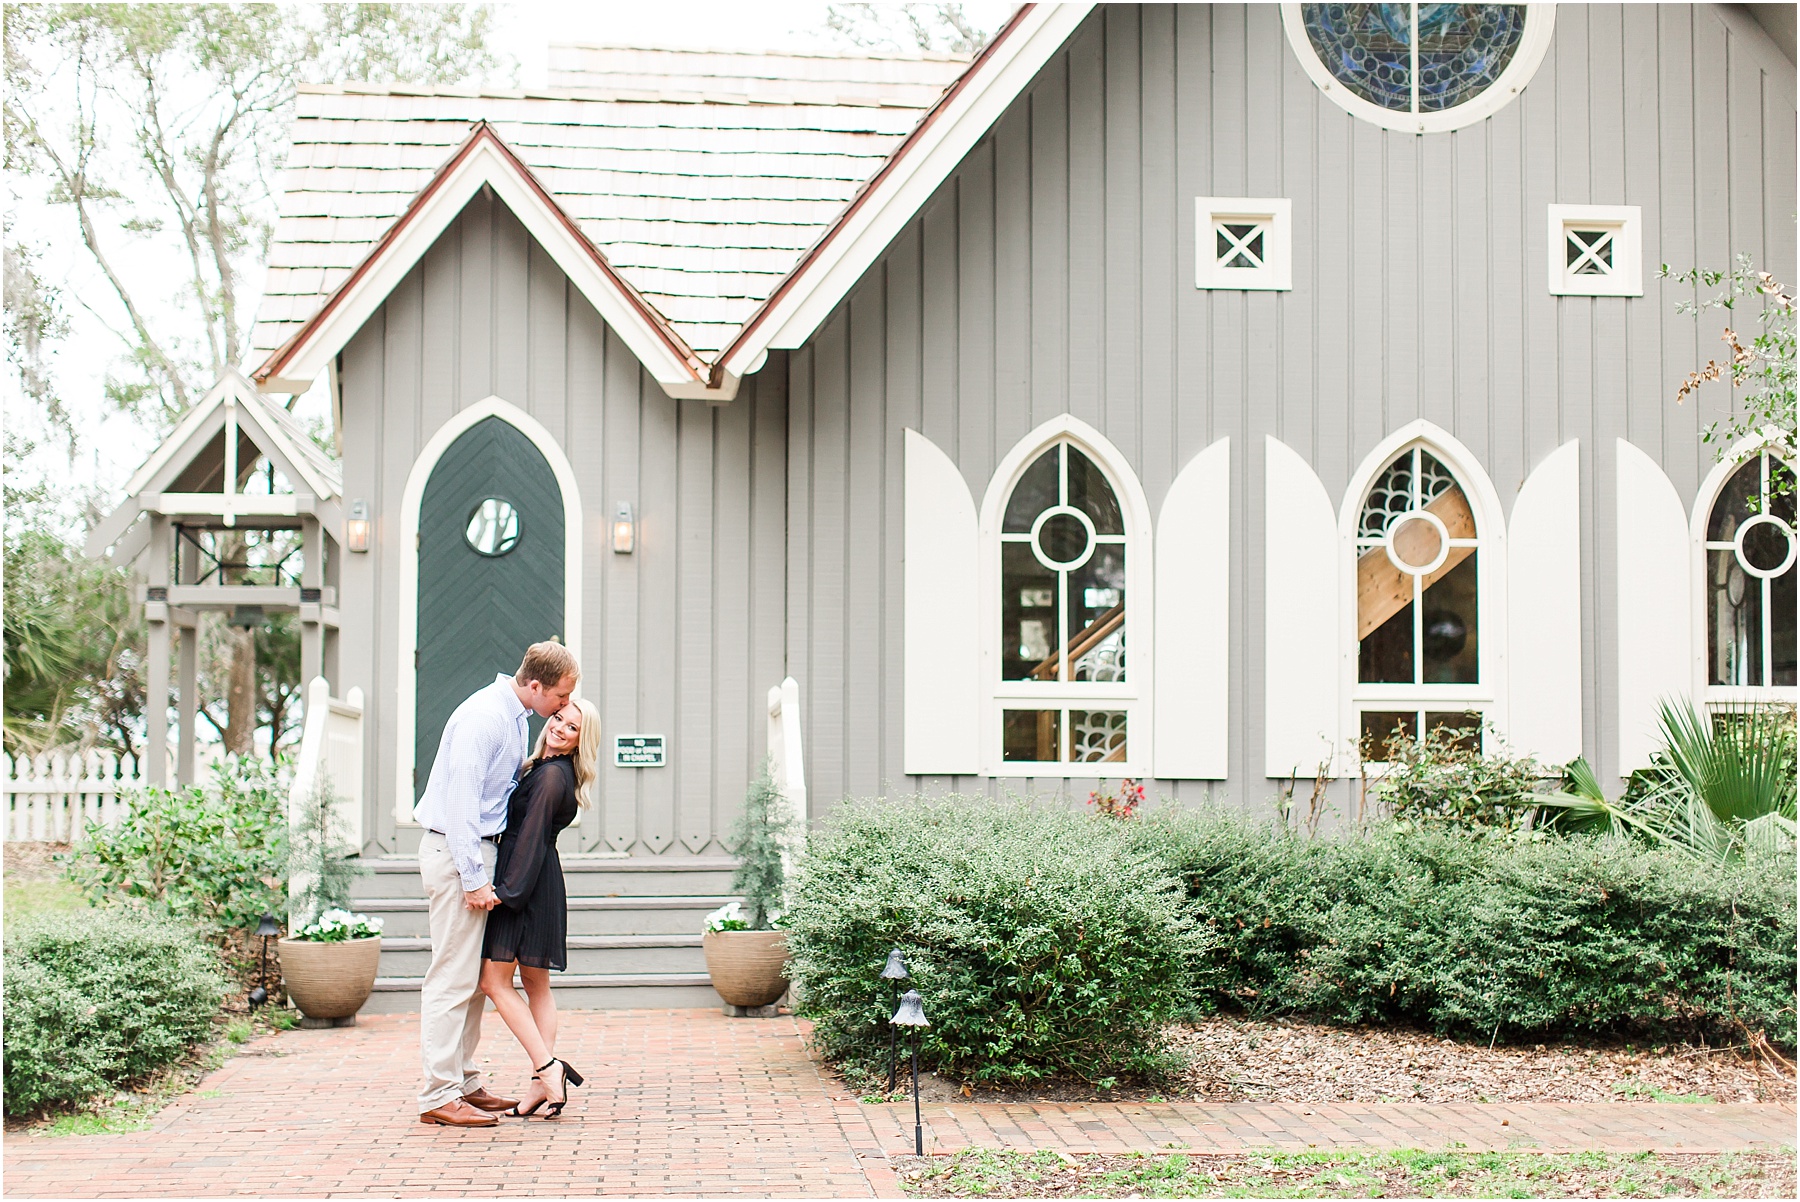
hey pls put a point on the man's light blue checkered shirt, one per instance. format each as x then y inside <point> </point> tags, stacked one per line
<point>476,767</point>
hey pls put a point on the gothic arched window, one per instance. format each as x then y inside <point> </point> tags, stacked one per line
<point>1064,609</point>
<point>1418,613</point>
<point>1749,594</point>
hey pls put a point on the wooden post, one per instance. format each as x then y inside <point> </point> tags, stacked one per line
<point>156,704</point>
<point>187,700</point>
<point>312,576</point>
<point>157,569</point>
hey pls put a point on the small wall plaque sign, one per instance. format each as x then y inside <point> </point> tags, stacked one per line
<point>640,751</point>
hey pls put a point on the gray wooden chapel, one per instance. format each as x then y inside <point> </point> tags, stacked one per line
<point>1192,393</point>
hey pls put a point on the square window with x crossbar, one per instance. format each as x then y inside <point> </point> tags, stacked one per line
<point>1243,243</point>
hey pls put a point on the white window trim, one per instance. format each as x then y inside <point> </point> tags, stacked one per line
<point>1488,696</point>
<point>406,641</point>
<point>1710,488</point>
<point>1133,696</point>
<point>1275,213</point>
<point>1627,275</point>
<point>1540,22</point>
<point>1375,769</point>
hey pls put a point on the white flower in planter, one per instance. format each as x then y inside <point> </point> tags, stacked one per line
<point>728,917</point>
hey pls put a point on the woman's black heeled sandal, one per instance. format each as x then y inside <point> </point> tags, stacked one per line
<point>516,1113</point>
<point>569,1077</point>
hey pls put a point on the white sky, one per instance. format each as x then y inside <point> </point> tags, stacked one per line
<point>112,444</point>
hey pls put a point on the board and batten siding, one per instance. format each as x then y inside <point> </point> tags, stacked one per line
<point>1053,272</point>
<point>682,637</point>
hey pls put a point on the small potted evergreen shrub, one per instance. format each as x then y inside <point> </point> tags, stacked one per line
<point>329,957</point>
<point>746,953</point>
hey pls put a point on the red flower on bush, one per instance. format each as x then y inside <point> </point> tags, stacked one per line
<point>1122,804</point>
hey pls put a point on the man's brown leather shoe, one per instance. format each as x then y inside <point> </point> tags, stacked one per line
<point>481,1099</point>
<point>459,1114</point>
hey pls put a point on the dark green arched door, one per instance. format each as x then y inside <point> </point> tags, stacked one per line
<point>490,572</point>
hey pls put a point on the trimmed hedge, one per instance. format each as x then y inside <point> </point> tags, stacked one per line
<point>1052,942</point>
<point>1486,937</point>
<point>99,999</point>
<point>1042,942</point>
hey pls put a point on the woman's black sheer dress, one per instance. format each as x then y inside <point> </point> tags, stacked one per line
<point>531,921</point>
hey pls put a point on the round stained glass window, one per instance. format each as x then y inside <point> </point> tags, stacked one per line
<point>1420,68</point>
<point>493,527</point>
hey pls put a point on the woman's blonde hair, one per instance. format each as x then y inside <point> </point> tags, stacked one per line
<point>587,751</point>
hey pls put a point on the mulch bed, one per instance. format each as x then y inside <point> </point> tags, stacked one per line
<point>1257,1061</point>
<point>33,861</point>
<point>1285,1060</point>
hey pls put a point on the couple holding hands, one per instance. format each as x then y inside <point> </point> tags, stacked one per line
<point>491,814</point>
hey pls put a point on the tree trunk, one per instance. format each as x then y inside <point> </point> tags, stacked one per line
<point>240,696</point>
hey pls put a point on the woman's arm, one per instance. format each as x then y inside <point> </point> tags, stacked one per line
<point>531,841</point>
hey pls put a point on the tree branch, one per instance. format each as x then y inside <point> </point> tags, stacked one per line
<point>153,143</point>
<point>75,182</point>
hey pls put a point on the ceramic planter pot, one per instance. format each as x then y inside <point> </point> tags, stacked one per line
<point>748,968</point>
<point>330,980</point>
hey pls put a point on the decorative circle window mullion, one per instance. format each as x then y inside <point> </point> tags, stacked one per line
<point>1418,68</point>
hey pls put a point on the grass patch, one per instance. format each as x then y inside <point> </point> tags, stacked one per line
<point>28,899</point>
<point>985,1173</point>
<point>1643,1089</point>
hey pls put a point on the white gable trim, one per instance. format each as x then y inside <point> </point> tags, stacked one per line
<point>484,160</point>
<point>923,162</point>
<point>197,427</point>
<point>406,690</point>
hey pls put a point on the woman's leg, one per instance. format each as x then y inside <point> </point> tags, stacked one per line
<point>542,1002</point>
<point>496,982</point>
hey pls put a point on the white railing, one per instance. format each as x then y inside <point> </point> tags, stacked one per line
<point>332,744</point>
<point>786,764</point>
<point>50,798</point>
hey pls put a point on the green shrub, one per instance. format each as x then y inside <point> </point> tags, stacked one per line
<point>759,840</point>
<point>322,865</point>
<point>94,1001</point>
<point>1041,942</point>
<point>1487,937</point>
<point>213,856</point>
<point>1446,780</point>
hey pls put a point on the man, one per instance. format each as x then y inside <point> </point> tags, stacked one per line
<point>463,812</point>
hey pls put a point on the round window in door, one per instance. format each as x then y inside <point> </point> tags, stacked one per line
<point>490,572</point>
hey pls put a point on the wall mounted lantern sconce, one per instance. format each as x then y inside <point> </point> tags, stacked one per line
<point>624,530</point>
<point>356,527</point>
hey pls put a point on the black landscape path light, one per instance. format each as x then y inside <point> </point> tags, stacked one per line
<point>895,970</point>
<point>912,1014</point>
<point>268,928</point>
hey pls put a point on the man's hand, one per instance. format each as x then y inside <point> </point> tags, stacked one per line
<point>483,898</point>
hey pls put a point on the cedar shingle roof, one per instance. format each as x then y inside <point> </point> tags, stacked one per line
<point>703,190</point>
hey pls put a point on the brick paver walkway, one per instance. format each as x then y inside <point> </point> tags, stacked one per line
<point>689,1102</point>
<point>1214,1127</point>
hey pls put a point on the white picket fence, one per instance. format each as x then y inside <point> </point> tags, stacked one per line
<point>50,798</point>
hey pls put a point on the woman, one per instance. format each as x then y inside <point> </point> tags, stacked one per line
<point>529,926</point>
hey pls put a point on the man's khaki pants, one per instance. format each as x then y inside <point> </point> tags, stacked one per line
<point>450,1002</point>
